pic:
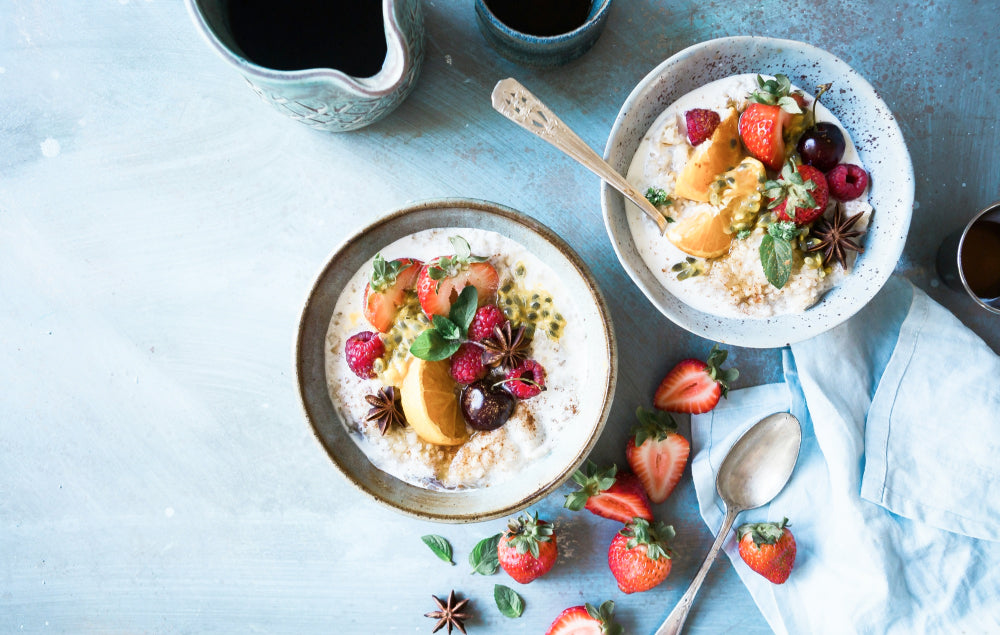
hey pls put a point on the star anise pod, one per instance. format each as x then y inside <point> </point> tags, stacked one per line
<point>506,348</point>
<point>836,237</point>
<point>385,410</point>
<point>449,614</point>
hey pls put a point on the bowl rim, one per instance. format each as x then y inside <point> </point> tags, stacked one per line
<point>720,328</point>
<point>428,206</point>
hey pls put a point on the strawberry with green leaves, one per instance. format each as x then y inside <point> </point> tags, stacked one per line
<point>768,549</point>
<point>527,549</point>
<point>799,195</point>
<point>657,453</point>
<point>609,493</point>
<point>386,291</point>
<point>586,620</point>
<point>442,279</point>
<point>639,557</point>
<point>773,108</point>
<point>694,386</point>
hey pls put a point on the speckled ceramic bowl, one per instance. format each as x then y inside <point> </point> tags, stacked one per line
<point>868,120</point>
<point>533,50</point>
<point>538,478</point>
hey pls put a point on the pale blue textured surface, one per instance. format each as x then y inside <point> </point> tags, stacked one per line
<point>160,227</point>
<point>895,499</point>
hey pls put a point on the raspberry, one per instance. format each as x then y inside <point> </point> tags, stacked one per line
<point>487,318</point>
<point>467,364</point>
<point>847,181</point>
<point>527,380</point>
<point>701,124</point>
<point>361,350</point>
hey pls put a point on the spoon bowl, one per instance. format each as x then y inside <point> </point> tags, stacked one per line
<point>754,471</point>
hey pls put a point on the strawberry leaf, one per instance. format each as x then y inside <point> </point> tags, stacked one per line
<point>508,601</point>
<point>384,273</point>
<point>440,546</point>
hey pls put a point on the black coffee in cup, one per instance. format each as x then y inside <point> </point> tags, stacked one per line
<point>541,17</point>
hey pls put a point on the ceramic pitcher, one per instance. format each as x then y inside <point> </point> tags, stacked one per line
<point>327,98</point>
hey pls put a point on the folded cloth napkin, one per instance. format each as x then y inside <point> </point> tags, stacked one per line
<point>895,499</point>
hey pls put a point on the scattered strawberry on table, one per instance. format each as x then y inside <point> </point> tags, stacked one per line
<point>639,557</point>
<point>768,548</point>
<point>657,453</point>
<point>694,386</point>
<point>527,549</point>
<point>610,493</point>
<point>586,620</point>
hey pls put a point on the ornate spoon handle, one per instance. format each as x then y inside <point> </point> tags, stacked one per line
<point>515,102</point>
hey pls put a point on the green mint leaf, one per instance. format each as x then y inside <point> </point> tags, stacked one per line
<point>508,601</point>
<point>776,259</point>
<point>461,247</point>
<point>783,229</point>
<point>445,328</point>
<point>440,546</point>
<point>483,558</point>
<point>464,308</point>
<point>657,196</point>
<point>430,346</point>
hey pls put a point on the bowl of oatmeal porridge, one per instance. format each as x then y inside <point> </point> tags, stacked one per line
<point>713,273</point>
<point>456,360</point>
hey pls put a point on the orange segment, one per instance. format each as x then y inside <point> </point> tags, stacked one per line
<point>720,153</point>
<point>704,234</point>
<point>429,402</point>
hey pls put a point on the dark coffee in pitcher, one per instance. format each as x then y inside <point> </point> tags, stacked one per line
<point>290,35</point>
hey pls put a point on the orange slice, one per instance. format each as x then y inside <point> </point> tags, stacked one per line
<point>704,234</point>
<point>720,153</point>
<point>429,402</point>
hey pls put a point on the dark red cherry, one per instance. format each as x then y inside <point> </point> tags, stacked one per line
<point>822,146</point>
<point>485,407</point>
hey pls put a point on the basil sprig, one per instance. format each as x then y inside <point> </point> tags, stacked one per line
<point>447,333</point>
<point>776,252</point>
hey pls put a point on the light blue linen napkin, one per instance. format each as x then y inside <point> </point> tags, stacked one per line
<point>895,499</point>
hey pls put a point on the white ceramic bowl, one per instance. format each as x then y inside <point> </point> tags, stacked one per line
<point>539,477</point>
<point>872,127</point>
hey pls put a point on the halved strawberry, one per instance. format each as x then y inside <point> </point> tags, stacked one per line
<point>803,189</point>
<point>609,493</point>
<point>443,278</point>
<point>761,129</point>
<point>386,291</point>
<point>694,386</point>
<point>657,453</point>
<point>586,620</point>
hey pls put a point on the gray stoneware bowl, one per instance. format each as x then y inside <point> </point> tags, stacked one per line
<point>534,50</point>
<point>871,125</point>
<point>541,476</point>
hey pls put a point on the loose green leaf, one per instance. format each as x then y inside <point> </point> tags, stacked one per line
<point>484,558</point>
<point>430,346</point>
<point>508,601</point>
<point>440,546</point>
<point>776,259</point>
<point>464,309</point>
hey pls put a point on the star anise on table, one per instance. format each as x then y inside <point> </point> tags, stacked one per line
<point>385,410</point>
<point>449,613</point>
<point>836,237</point>
<point>507,347</point>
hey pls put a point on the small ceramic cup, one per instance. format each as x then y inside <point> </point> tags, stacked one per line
<point>969,260</point>
<point>534,50</point>
<point>327,98</point>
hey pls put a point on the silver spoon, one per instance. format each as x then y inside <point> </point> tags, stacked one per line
<point>515,102</point>
<point>754,471</point>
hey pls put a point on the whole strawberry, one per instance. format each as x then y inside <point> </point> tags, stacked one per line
<point>527,549</point>
<point>609,493</point>
<point>639,557</point>
<point>800,194</point>
<point>768,549</point>
<point>694,386</point>
<point>656,453</point>
<point>586,620</point>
